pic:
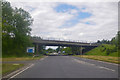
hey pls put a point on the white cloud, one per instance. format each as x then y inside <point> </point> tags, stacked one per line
<point>64,0</point>
<point>104,22</point>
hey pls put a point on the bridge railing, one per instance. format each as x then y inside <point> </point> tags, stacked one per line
<point>58,39</point>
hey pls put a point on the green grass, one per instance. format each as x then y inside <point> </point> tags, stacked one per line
<point>7,68</point>
<point>101,58</point>
<point>21,58</point>
<point>104,50</point>
<point>0,67</point>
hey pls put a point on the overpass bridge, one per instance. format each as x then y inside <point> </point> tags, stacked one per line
<point>37,41</point>
<point>40,42</point>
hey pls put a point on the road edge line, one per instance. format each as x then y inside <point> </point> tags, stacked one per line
<point>21,71</point>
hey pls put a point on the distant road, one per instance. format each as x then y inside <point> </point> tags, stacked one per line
<point>68,67</point>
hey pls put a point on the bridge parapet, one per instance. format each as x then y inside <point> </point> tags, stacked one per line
<point>58,42</point>
<point>58,39</point>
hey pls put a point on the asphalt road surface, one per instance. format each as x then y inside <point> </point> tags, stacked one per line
<point>68,67</point>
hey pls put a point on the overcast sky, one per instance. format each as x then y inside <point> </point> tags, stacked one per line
<point>83,21</point>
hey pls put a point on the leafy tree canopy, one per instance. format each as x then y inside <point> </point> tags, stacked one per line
<point>15,29</point>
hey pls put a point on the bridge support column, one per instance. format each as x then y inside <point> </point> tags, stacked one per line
<point>36,47</point>
<point>81,50</point>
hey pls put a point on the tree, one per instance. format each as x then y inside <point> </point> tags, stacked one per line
<point>15,30</point>
<point>103,41</point>
<point>50,50</point>
<point>67,50</point>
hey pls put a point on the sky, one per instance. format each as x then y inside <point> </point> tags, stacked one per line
<point>75,21</point>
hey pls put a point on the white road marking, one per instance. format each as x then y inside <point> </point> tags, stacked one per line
<point>106,68</point>
<point>42,59</point>
<point>92,64</point>
<point>66,56</point>
<point>109,63</point>
<point>20,72</point>
<point>83,62</point>
<point>104,62</point>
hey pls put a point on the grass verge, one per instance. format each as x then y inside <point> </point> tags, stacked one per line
<point>101,58</point>
<point>7,68</point>
<point>21,58</point>
<point>104,50</point>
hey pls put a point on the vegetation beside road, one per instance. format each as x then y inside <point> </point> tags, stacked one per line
<point>109,51</point>
<point>15,30</point>
<point>101,58</point>
<point>7,68</point>
<point>104,50</point>
<point>21,58</point>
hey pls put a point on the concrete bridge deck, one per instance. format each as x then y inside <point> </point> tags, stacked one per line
<point>62,43</point>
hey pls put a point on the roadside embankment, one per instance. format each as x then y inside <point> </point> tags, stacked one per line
<point>101,58</point>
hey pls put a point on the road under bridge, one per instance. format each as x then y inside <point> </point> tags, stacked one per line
<point>40,42</point>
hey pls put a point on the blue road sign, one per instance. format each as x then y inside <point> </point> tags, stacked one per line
<point>30,50</point>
